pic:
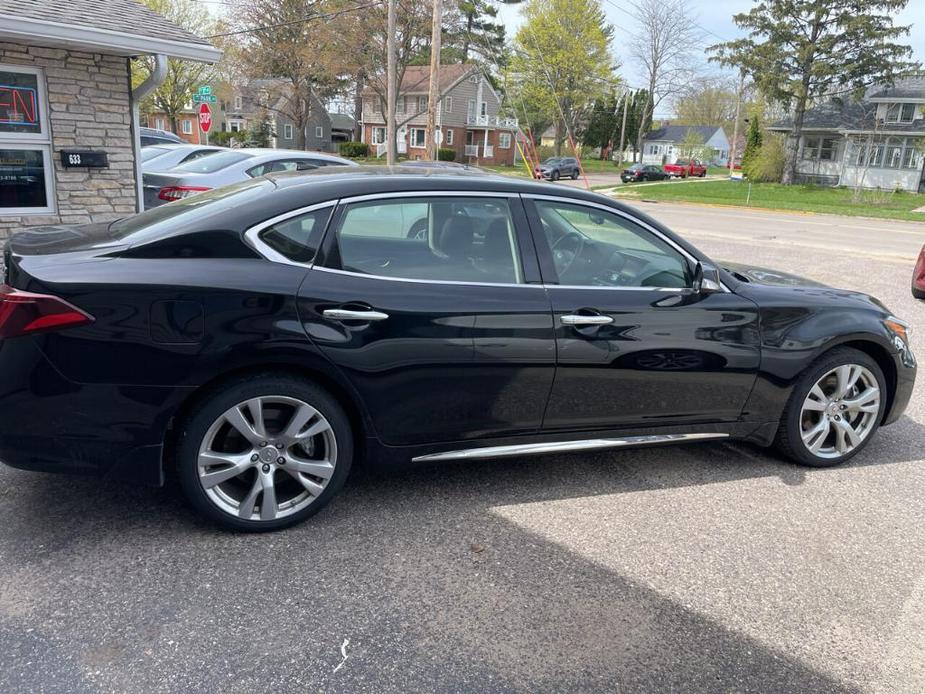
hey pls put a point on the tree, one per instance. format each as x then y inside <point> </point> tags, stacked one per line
<point>799,50</point>
<point>474,34</point>
<point>692,146</point>
<point>300,55</point>
<point>707,101</point>
<point>604,123</point>
<point>753,141</point>
<point>563,61</point>
<point>261,130</point>
<point>184,77</point>
<point>663,50</point>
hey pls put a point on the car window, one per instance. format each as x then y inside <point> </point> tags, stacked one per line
<point>466,239</point>
<point>212,164</point>
<point>593,247</point>
<point>199,153</point>
<point>297,238</point>
<point>280,165</point>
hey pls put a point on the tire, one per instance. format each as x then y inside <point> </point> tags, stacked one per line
<point>554,176</point>
<point>797,423</point>
<point>575,175</point>
<point>299,490</point>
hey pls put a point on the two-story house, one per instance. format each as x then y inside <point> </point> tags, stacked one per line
<point>468,116</point>
<point>874,143</point>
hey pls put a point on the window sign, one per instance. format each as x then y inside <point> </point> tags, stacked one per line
<point>19,103</point>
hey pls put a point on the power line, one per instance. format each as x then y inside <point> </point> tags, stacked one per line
<point>303,20</point>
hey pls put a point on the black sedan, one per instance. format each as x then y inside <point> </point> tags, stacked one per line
<point>643,172</point>
<point>258,340</point>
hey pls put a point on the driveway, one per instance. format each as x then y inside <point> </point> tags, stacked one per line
<point>704,568</point>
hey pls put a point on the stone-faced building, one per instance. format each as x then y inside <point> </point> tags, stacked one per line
<point>68,115</point>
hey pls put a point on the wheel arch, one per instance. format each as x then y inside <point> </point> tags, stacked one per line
<point>884,359</point>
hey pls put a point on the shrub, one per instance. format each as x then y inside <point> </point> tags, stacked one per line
<point>767,164</point>
<point>446,154</point>
<point>355,150</point>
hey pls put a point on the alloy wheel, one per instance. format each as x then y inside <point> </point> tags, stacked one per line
<point>840,411</point>
<point>267,458</point>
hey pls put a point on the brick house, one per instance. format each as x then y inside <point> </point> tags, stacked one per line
<point>187,124</point>
<point>69,137</point>
<point>468,116</point>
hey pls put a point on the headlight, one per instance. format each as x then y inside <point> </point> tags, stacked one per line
<point>899,328</point>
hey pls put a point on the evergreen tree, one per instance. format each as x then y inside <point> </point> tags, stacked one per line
<point>753,141</point>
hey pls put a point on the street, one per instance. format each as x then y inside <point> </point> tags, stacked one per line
<point>715,567</point>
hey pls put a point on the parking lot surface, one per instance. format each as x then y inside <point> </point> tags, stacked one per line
<point>701,568</point>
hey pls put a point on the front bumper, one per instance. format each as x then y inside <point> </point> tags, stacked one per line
<point>906,371</point>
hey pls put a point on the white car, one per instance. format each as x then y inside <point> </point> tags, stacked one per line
<point>166,156</point>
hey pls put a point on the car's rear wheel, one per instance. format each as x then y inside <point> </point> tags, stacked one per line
<point>264,453</point>
<point>575,175</point>
<point>834,409</point>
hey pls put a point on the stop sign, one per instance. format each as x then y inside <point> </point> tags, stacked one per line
<point>205,117</point>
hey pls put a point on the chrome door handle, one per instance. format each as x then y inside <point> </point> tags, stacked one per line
<point>575,319</point>
<point>346,314</point>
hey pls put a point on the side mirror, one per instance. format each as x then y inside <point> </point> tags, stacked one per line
<point>706,279</point>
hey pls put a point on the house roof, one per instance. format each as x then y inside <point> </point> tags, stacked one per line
<point>834,115</point>
<point>341,121</point>
<point>678,133</point>
<point>120,27</point>
<point>905,88</point>
<point>416,79</point>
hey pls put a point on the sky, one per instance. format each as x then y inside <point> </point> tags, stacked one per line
<point>715,18</point>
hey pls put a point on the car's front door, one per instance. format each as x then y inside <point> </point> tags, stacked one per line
<point>432,306</point>
<point>636,346</point>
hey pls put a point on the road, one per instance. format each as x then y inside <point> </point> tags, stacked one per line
<point>702,568</point>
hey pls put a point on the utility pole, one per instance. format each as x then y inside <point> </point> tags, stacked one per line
<point>390,96</point>
<point>626,107</point>
<point>434,95</point>
<point>735,127</point>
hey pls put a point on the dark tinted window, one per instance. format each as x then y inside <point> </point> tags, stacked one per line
<point>214,163</point>
<point>297,238</point>
<point>22,178</point>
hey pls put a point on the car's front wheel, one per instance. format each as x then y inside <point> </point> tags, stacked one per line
<point>834,409</point>
<point>554,176</point>
<point>264,453</point>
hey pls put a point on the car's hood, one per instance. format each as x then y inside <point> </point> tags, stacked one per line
<point>761,275</point>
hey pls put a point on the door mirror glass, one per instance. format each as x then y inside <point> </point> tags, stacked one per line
<point>593,247</point>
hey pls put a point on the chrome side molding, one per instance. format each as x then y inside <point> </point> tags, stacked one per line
<point>565,446</point>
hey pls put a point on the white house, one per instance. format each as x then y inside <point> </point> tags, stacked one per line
<point>669,143</point>
<point>874,143</point>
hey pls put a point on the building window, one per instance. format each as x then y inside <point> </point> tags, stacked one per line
<point>287,131</point>
<point>418,136</point>
<point>470,111</point>
<point>892,153</point>
<point>504,140</point>
<point>319,132</point>
<point>236,126</point>
<point>448,134</point>
<point>26,173</point>
<point>187,127</point>
<point>159,123</point>
<point>448,104</point>
<point>422,104</point>
<point>900,113</point>
<point>820,148</point>
<point>238,103</point>
<point>483,108</point>
<point>400,106</point>
<point>378,136</point>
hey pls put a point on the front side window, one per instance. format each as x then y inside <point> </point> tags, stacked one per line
<point>595,248</point>
<point>462,239</point>
<point>26,173</point>
<point>297,238</point>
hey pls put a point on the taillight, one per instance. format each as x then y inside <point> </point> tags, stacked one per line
<point>24,313</point>
<point>171,193</point>
<point>918,275</point>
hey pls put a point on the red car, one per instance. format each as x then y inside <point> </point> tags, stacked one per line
<point>918,276</point>
<point>686,167</point>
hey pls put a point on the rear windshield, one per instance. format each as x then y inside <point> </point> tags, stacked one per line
<point>148,153</point>
<point>198,210</point>
<point>214,163</point>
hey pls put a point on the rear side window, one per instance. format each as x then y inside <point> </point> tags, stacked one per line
<point>459,239</point>
<point>216,162</point>
<point>281,165</point>
<point>297,238</point>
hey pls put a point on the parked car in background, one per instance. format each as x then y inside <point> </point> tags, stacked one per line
<point>683,168</point>
<point>261,338</point>
<point>166,156</point>
<point>227,167</point>
<point>643,172</point>
<point>555,168</point>
<point>918,276</point>
<point>153,136</point>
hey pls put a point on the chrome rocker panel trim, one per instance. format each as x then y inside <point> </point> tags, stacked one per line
<point>564,446</point>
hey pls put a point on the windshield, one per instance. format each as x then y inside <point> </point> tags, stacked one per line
<point>198,209</point>
<point>148,153</point>
<point>636,167</point>
<point>213,163</point>
<point>553,160</point>
<point>682,162</point>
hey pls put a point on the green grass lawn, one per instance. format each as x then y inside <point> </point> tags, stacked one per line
<point>890,205</point>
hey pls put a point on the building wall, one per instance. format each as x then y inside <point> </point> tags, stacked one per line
<point>500,156</point>
<point>89,107</point>
<point>194,138</point>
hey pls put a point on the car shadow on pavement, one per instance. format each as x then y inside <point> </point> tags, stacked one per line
<point>433,587</point>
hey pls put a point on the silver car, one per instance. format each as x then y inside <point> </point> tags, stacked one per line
<point>229,166</point>
<point>168,155</point>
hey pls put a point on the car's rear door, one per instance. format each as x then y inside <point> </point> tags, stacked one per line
<point>636,346</point>
<point>446,334</point>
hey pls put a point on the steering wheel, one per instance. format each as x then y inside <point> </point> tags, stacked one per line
<point>566,250</point>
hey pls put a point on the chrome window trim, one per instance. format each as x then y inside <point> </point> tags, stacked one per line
<point>252,235</point>
<point>635,220</point>
<point>420,281</point>
<point>429,194</point>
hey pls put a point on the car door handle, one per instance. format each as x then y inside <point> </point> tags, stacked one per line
<point>347,314</point>
<point>576,319</point>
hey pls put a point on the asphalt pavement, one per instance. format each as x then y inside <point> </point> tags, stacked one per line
<point>715,567</point>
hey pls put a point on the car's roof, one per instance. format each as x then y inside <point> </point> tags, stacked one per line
<point>268,151</point>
